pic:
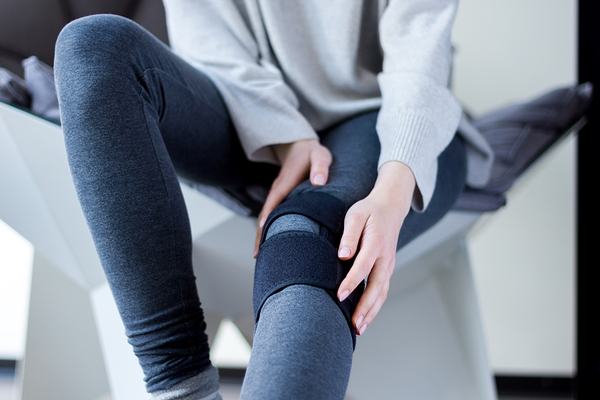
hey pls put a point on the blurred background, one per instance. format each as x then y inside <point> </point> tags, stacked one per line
<point>523,255</point>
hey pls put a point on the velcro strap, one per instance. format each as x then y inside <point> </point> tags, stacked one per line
<point>323,208</point>
<point>301,258</point>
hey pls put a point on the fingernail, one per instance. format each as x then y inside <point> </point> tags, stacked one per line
<point>344,252</point>
<point>344,295</point>
<point>319,179</point>
<point>359,321</point>
<point>363,329</point>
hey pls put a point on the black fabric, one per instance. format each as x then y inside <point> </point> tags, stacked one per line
<point>302,258</point>
<point>295,257</point>
<point>321,207</point>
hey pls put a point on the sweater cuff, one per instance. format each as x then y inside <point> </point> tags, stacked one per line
<point>417,120</point>
<point>412,134</point>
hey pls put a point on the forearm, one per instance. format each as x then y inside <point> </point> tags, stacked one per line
<point>419,115</point>
<point>396,186</point>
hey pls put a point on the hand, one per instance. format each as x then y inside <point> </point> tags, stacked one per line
<point>298,160</point>
<point>375,223</point>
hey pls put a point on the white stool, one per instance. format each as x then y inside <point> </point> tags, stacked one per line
<point>426,343</point>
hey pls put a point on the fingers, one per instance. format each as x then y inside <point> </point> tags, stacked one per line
<point>320,160</point>
<point>258,237</point>
<point>282,186</point>
<point>361,268</point>
<point>354,223</point>
<point>354,226</point>
<point>299,160</point>
<point>378,264</point>
<point>373,297</point>
<point>375,259</point>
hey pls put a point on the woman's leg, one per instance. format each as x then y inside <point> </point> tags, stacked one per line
<point>133,115</point>
<point>303,340</point>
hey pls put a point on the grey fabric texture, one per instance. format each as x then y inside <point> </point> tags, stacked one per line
<point>36,94</point>
<point>476,200</point>
<point>313,355</point>
<point>40,83</point>
<point>204,386</point>
<point>519,135</point>
<point>13,89</point>
<point>292,222</point>
<point>479,152</point>
<point>154,117</point>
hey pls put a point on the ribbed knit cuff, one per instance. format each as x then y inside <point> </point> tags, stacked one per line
<point>413,133</point>
<point>417,120</point>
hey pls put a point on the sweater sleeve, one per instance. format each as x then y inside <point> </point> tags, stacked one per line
<point>419,115</point>
<point>213,36</point>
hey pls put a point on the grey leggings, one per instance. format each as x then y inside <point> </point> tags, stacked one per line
<point>135,117</point>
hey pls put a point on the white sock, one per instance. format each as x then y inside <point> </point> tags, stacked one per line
<point>204,386</point>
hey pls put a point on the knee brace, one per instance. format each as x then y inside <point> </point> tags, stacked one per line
<point>299,246</point>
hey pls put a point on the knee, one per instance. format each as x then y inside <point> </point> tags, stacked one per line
<point>100,32</point>
<point>300,248</point>
<point>94,43</point>
<point>95,58</point>
<point>311,210</point>
<point>291,223</point>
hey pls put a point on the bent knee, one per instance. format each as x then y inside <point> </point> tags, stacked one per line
<point>101,40</point>
<point>310,209</point>
<point>292,222</point>
<point>300,248</point>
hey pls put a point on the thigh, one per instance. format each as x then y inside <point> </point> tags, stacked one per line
<point>198,134</point>
<point>450,181</point>
<point>113,68</point>
<point>355,147</point>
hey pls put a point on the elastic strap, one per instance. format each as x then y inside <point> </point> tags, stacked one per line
<point>302,258</point>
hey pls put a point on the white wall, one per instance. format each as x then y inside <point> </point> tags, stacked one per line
<point>16,257</point>
<point>523,255</point>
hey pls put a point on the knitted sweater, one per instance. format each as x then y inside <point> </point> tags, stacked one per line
<point>287,69</point>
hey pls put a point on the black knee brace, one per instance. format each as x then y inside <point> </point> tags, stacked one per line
<point>306,258</point>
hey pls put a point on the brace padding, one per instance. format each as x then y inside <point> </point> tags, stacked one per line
<point>323,208</point>
<point>306,258</point>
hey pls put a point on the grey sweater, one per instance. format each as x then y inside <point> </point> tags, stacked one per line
<point>287,69</point>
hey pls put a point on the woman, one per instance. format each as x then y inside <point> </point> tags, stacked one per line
<point>341,108</point>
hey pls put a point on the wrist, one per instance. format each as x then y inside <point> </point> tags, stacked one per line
<point>397,179</point>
